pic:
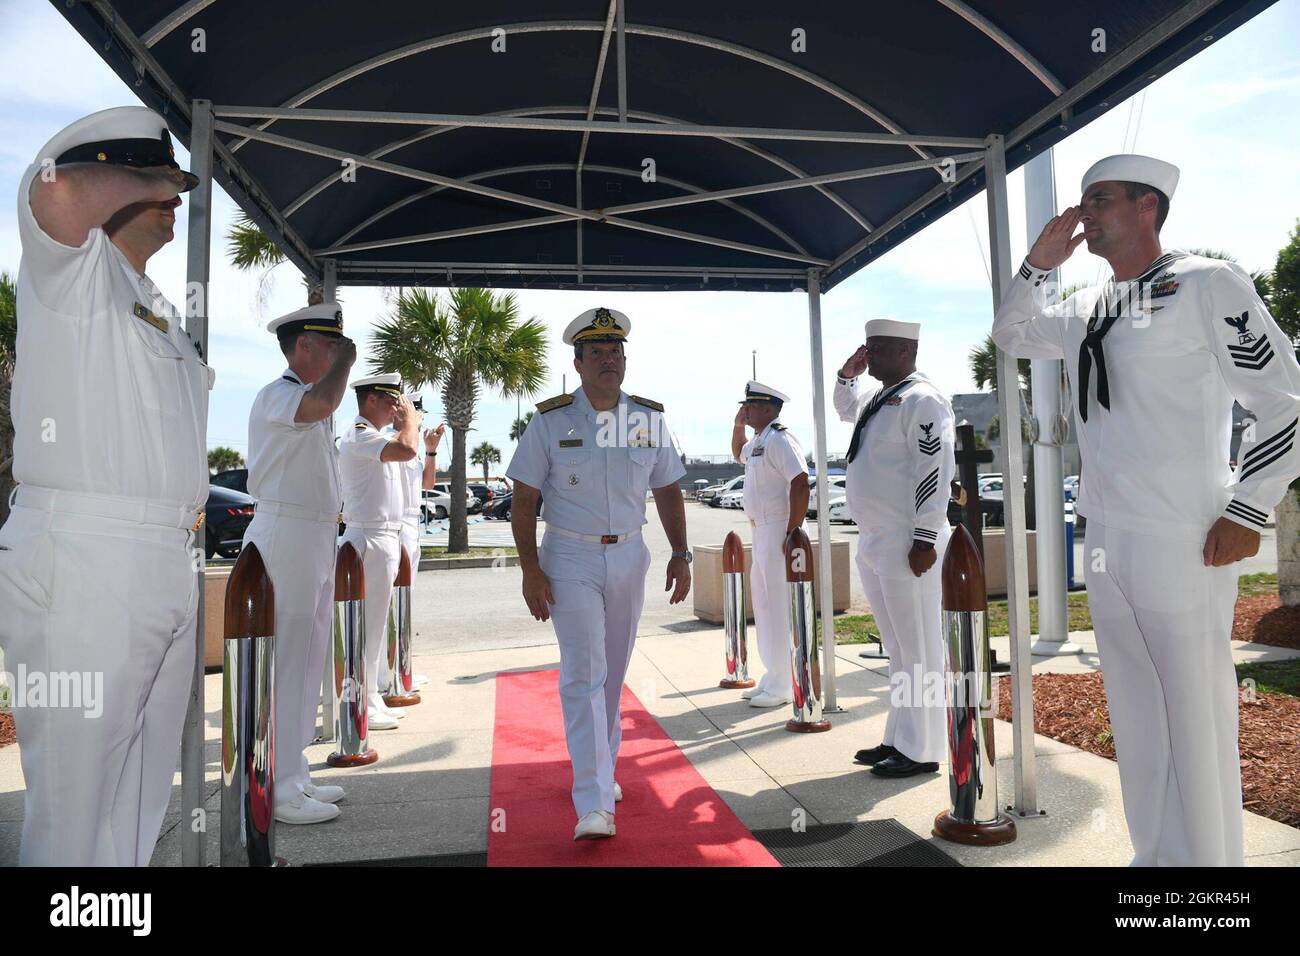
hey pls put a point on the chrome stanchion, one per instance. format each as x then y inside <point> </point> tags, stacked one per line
<point>972,772</point>
<point>350,731</point>
<point>734,624</point>
<point>400,691</point>
<point>248,716</point>
<point>805,654</point>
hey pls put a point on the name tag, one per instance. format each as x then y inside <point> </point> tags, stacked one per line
<point>570,442</point>
<point>159,323</point>
<point>756,453</point>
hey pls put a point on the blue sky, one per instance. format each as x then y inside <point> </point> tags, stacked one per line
<point>1228,118</point>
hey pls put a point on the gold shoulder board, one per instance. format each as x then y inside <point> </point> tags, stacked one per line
<point>647,402</point>
<point>559,401</point>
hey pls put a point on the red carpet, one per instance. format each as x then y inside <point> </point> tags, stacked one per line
<point>669,816</point>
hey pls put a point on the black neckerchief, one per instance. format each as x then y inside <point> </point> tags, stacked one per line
<point>873,406</point>
<point>1090,348</point>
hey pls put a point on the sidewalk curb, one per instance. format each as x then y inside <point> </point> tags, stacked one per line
<point>452,564</point>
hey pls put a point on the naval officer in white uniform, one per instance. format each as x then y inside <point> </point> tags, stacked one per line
<point>98,559</point>
<point>418,474</point>
<point>293,473</point>
<point>1155,357</point>
<point>776,500</point>
<point>901,465</point>
<point>592,456</point>
<point>373,505</point>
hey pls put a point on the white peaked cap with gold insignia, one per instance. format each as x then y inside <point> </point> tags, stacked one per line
<point>325,318</point>
<point>894,329</point>
<point>119,136</point>
<point>1132,168</point>
<point>758,392</point>
<point>598,325</point>
<point>390,383</point>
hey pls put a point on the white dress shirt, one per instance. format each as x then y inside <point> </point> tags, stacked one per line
<point>772,459</point>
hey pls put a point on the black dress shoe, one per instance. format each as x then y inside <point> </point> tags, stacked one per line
<point>899,766</point>
<point>874,755</point>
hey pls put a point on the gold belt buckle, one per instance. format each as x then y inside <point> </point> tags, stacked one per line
<point>609,539</point>
<point>198,522</point>
<point>340,518</point>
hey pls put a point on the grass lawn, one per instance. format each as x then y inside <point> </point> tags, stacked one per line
<point>439,551</point>
<point>1273,677</point>
<point>861,628</point>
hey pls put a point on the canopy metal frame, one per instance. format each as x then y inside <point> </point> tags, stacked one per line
<point>979,163</point>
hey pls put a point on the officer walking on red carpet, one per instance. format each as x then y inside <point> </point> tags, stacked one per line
<point>98,583</point>
<point>592,456</point>
<point>1156,356</point>
<point>293,472</point>
<point>901,464</point>
<point>776,500</point>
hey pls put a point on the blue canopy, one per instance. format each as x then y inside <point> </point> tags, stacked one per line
<point>517,143</point>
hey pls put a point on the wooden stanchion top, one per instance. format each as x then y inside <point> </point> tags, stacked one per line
<point>403,579</point>
<point>733,554</point>
<point>250,598</point>
<point>349,575</point>
<point>798,557</point>
<point>963,574</point>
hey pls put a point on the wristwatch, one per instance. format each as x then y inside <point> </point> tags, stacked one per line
<point>684,555</point>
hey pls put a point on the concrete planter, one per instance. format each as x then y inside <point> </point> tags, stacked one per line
<point>1288,548</point>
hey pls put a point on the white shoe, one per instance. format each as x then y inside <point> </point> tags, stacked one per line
<point>325,793</point>
<point>596,825</point>
<point>305,810</point>
<point>618,792</point>
<point>767,700</point>
<point>396,712</point>
<point>379,720</point>
<point>749,692</point>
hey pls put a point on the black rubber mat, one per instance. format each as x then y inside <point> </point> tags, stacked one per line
<point>872,843</point>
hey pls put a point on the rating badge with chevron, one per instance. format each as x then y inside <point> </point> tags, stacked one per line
<point>1250,352</point>
<point>928,444</point>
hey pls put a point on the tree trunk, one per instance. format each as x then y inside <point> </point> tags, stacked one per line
<point>1288,548</point>
<point>458,533</point>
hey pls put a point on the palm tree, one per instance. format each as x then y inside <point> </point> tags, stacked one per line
<point>8,337</point>
<point>487,455</point>
<point>984,370</point>
<point>517,429</point>
<point>469,340</point>
<point>224,459</point>
<point>249,248</point>
<point>1262,278</point>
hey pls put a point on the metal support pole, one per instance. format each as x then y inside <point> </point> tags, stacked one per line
<point>198,242</point>
<point>1050,430</point>
<point>325,727</point>
<point>824,580</point>
<point>1013,471</point>
<point>620,42</point>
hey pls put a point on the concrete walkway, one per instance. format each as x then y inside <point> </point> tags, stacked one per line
<point>429,792</point>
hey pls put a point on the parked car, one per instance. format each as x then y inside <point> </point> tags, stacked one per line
<point>501,506</point>
<point>835,491</point>
<point>235,478</point>
<point>434,505</point>
<point>735,484</point>
<point>838,512</point>
<point>732,499</point>
<point>483,492</point>
<point>473,505</point>
<point>228,515</point>
<point>711,491</point>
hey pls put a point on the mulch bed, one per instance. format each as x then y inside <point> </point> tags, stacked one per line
<point>7,735</point>
<point>1262,619</point>
<point>1072,708</point>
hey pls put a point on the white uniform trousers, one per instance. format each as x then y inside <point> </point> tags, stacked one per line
<point>908,611</point>
<point>599,591</point>
<point>1164,622</point>
<point>299,556</point>
<point>380,553</point>
<point>771,599</point>
<point>113,601</point>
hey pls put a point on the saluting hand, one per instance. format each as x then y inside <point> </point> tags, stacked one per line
<point>345,352</point>
<point>537,594</point>
<point>742,416</point>
<point>403,412</point>
<point>1057,241</point>
<point>432,438</point>
<point>856,365</point>
<point>678,580</point>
